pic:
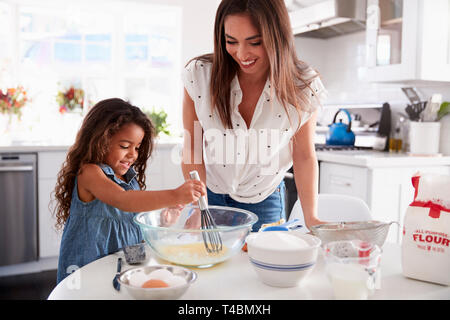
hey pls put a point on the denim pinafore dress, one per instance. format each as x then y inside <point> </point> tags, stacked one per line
<point>95,229</point>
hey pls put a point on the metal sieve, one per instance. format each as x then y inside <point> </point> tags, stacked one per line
<point>371,231</point>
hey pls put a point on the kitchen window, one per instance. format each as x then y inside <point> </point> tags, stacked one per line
<point>5,44</point>
<point>122,49</point>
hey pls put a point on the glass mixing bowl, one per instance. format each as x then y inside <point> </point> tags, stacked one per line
<point>168,236</point>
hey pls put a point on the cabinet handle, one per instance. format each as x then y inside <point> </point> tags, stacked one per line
<point>16,168</point>
<point>340,183</point>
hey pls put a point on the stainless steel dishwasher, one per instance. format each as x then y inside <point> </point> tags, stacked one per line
<point>18,208</point>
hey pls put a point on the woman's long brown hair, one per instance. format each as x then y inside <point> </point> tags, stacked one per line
<point>288,74</point>
<point>91,146</point>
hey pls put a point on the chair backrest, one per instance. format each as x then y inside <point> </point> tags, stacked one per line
<point>335,208</point>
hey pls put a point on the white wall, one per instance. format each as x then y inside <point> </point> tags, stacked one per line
<point>340,61</point>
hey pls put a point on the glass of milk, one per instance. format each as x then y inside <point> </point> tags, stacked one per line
<point>351,267</point>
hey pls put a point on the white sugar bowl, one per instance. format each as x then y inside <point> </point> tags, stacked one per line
<point>282,258</point>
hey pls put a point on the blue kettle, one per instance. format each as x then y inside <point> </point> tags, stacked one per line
<point>340,133</point>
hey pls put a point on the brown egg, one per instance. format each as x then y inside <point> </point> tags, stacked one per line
<point>155,283</point>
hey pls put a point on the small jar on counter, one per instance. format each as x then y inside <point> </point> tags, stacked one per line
<point>397,139</point>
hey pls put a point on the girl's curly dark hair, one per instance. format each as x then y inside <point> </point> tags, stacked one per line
<point>105,119</point>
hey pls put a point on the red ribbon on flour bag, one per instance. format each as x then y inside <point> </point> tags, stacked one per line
<point>435,208</point>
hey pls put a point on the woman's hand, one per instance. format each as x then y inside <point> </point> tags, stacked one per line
<point>190,191</point>
<point>312,222</point>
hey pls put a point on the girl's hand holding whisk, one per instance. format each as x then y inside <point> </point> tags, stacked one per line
<point>190,191</point>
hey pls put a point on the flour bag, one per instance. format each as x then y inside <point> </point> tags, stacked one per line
<point>426,230</point>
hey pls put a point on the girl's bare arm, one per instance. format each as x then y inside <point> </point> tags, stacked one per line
<point>92,181</point>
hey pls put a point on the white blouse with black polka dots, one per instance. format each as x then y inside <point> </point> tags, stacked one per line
<point>246,163</point>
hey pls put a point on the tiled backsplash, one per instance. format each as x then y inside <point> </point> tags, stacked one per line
<point>341,60</point>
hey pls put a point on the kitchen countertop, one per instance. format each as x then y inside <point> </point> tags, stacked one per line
<point>17,148</point>
<point>363,158</point>
<point>373,159</point>
<point>235,279</point>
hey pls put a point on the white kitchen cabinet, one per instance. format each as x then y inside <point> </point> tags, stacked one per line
<point>154,172</point>
<point>343,179</point>
<point>164,168</point>
<point>173,175</point>
<point>49,237</point>
<point>411,41</point>
<point>49,164</point>
<point>386,190</point>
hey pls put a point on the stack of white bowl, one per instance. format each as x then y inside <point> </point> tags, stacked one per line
<point>282,259</point>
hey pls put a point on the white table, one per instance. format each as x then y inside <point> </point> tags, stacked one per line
<point>235,279</point>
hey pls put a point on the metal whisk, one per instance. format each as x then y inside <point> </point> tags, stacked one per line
<point>211,238</point>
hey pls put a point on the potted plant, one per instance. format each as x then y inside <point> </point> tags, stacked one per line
<point>159,120</point>
<point>444,109</point>
<point>444,118</point>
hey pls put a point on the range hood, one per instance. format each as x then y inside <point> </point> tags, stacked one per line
<point>326,19</point>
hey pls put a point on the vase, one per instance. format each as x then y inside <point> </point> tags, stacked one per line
<point>5,129</point>
<point>71,123</point>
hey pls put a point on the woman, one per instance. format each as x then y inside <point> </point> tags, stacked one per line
<point>249,113</point>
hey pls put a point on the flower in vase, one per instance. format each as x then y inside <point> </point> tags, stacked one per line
<point>70,100</point>
<point>12,100</point>
<point>62,109</point>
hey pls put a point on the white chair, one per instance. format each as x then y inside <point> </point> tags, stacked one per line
<point>334,208</point>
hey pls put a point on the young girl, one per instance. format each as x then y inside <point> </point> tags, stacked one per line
<point>100,186</point>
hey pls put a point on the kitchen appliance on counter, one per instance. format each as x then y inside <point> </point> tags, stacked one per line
<point>18,208</point>
<point>371,125</point>
<point>341,134</point>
